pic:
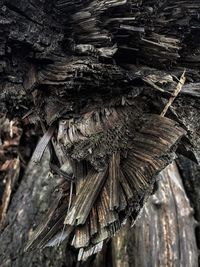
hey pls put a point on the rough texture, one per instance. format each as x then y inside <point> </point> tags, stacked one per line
<point>68,66</point>
<point>29,203</point>
<point>190,173</point>
<point>164,235</point>
<point>103,199</point>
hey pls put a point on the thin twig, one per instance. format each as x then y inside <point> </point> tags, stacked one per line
<point>175,93</point>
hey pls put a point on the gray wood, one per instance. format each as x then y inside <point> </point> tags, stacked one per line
<point>164,234</point>
<point>28,205</point>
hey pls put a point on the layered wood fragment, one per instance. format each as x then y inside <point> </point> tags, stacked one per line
<point>93,221</point>
<point>81,237</point>
<point>139,168</point>
<point>83,54</point>
<point>85,199</point>
<point>39,151</point>
<point>105,198</point>
<point>114,174</point>
<point>91,123</point>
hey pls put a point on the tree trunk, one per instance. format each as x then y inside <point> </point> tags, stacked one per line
<point>164,235</point>
<point>190,173</point>
<point>28,205</point>
<point>101,79</point>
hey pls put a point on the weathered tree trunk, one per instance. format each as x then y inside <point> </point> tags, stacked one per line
<point>80,61</point>
<point>28,205</point>
<point>164,235</point>
<point>190,173</point>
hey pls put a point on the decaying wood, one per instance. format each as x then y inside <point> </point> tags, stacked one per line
<point>114,174</point>
<point>10,180</point>
<point>190,173</point>
<point>100,72</point>
<point>148,152</point>
<point>23,215</point>
<point>10,134</point>
<point>164,235</point>
<point>39,151</point>
<point>130,32</point>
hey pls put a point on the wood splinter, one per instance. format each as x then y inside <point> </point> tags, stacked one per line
<point>175,93</point>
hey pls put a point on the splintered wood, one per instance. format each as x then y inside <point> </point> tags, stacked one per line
<point>10,180</point>
<point>10,134</point>
<point>103,199</point>
<point>39,151</point>
<point>86,198</point>
<point>175,94</point>
<point>89,71</point>
<point>114,174</point>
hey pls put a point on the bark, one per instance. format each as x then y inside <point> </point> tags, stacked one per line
<point>61,60</point>
<point>164,235</point>
<point>29,204</point>
<point>35,34</point>
<point>190,173</point>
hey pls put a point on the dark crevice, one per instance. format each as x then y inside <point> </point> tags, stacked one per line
<point>20,12</point>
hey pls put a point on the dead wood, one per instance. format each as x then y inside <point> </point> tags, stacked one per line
<point>97,74</point>
<point>164,234</point>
